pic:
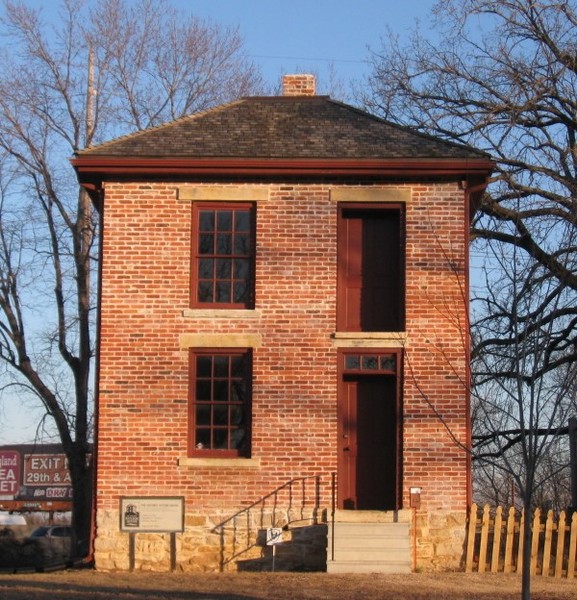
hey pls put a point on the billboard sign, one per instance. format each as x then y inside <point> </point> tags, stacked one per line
<point>9,474</point>
<point>46,476</point>
<point>34,475</point>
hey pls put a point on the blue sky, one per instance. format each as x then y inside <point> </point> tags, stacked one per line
<point>281,36</point>
<point>295,36</point>
<point>289,36</point>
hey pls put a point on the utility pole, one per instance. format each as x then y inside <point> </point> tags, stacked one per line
<point>573,459</point>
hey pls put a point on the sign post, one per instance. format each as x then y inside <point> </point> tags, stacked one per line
<point>273,537</point>
<point>147,514</point>
<point>573,460</point>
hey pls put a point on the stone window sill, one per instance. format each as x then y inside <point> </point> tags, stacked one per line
<point>203,463</point>
<point>369,339</point>
<point>218,313</point>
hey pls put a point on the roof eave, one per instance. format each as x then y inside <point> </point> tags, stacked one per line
<point>95,169</point>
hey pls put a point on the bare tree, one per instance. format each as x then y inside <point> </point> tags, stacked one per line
<point>502,76</point>
<point>100,69</point>
<point>522,406</point>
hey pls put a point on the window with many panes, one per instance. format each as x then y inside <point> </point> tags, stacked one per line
<point>222,270</point>
<point>220,402</point>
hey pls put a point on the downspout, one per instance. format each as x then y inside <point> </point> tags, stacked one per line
<point>468,217</point>
<point>97,196</point>
<point>471,192</point>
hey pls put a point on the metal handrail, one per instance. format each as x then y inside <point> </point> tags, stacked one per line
<point>260,505</point>
<point>333,511</point>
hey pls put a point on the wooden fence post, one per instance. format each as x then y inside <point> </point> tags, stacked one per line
<point>535,540</point>
<point>573,460</point>
<point>560,545</point>
<point>547,544</point>
<point>471,538</point>
<point>572,548</point>
<point>495,552</point>
<point>508,566</point>
<point>484,538</point>
<point>521,541</point>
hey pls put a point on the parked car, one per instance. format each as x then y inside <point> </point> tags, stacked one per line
<point>58,541</point>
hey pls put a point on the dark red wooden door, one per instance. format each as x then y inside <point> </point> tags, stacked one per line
<point>368,472</point>
<point>371,291</point>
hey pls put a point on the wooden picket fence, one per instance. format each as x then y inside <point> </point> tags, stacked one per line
<point>494,543</point>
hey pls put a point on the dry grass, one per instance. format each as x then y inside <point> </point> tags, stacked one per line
<point>90,585</point>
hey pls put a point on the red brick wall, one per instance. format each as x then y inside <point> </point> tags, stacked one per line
<point>142,421</point>
<point>435,398</point>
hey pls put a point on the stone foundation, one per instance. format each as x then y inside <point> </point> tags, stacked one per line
<point>241,546</point>
<point>204,546</point>
<point>440,540</point>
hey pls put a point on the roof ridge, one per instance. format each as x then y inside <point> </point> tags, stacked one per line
<point>289,98</point>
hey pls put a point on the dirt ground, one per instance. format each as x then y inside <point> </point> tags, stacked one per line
<point>91,585</point>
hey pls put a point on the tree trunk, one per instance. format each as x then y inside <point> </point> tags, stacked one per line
<point>527,534</point>
<point>82,485</point>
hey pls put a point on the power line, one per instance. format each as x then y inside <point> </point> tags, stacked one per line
<point>335,60</point>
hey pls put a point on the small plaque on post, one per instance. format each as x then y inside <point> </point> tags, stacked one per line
<point>273,536</point>
<point>145,514</point>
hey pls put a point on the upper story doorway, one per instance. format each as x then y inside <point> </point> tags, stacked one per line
<point>371,267</point>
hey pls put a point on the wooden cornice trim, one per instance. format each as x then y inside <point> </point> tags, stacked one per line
<point>98,168</point>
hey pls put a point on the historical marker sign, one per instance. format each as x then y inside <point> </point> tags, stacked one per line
<point>163,514</point>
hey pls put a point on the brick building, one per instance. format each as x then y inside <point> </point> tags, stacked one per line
<point>283,335</point>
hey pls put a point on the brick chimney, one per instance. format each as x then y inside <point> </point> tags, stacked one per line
<point>298,85</point>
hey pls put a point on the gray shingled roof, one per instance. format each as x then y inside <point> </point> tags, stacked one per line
<point>289,127</point>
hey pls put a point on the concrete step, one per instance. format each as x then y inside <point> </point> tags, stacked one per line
<point>362,547</point>
<point>370,536</point>
<point>371,543</point>
<point>341,566</point>
<point>372,516</point>
<point>371,530</point>
<point>370,555</point>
